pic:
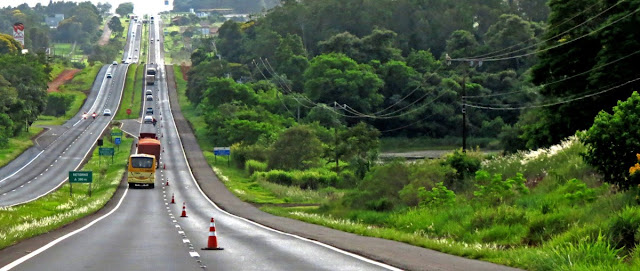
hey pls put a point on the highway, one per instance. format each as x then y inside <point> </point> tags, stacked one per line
<point>44,167</point>
<point>145,232</point>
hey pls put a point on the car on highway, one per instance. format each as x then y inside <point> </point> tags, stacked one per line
<point>93,115</point>
<point>149,97</point>
<point>109,75</point>
<point>148,119</point>
<point>85,115</point>
<point>115,63</point>
<point>148,92</point>
<point>106,112</point>
<point>149,111</point>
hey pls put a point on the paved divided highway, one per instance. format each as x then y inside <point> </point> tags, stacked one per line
<point>42,169</point>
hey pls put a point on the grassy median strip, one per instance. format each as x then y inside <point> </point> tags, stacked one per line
<point>129,95</point>
<point>59,208</point>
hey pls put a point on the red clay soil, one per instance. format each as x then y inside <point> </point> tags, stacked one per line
<point>65,76</point>
<point>184,69</point>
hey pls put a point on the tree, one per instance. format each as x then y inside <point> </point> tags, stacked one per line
<point>337,78</point>
<point>514,33</point>
<point>8,45</point>
<point>115,25</point>
<point>613,143</point>
<point>461,43</point>
<point>297,148</point>
<point>104,8</point>
<point>124,9</point>
<point>359,145</point>
<point>230,41</point>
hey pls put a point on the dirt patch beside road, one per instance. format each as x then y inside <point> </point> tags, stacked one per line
<point>65,76</point>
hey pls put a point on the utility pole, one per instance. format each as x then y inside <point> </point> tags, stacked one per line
<point>464,114</point>
<point>335,104</point>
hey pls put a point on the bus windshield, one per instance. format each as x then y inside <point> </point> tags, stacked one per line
<point>141,162</point>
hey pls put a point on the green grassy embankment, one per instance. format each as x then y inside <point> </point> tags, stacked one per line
<point>59,208</point>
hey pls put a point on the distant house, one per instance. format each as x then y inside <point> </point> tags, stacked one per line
<point>237,17</point>
<point>202,14</point>
<point>54,21</point>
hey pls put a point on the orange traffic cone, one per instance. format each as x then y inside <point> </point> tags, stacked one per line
<point>212,243</point>
<point>184,210</point>
<point>173,199</point>
<point>164,166</point>
<point>167,184</point>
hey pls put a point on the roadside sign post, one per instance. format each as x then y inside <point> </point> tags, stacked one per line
<point>118,141</point>
<point>222,151</point>
<point>106,152</point>
<point>80,177</point>
<point>116,134</point>
<point>128,111</point>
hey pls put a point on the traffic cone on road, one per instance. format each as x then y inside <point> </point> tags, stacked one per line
<point>167,184</point>
<point>173,199</point>
<point>184,210</point>
<point>212,243</point>
<point>164,166</point>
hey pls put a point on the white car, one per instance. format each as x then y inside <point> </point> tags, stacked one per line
<point>148,119</point>
<point>107,112</point>
<point>109,75</point>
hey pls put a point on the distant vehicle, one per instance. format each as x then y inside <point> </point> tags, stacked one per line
<point>115,63</point>
<point>141,169</point>
<point>85,115</point>
<point>109,75</point>
<point>148,119</point>
<point>149,144</point>
<point>107,112</point>
<point>148,92</point>
<point>94,115</point>
<point>149,111</point>
<point>149,97</point>
<point>151,74</point>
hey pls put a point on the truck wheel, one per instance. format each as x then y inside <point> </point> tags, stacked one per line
<point>132,185</point>
<point>151,185</point>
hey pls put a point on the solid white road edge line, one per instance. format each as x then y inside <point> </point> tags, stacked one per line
<point>54,242</point>
<point>22,167</point>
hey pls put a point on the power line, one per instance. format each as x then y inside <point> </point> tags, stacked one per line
<point>554,103</point>
<point>553,27</point>
<point>551,47</point>
<point>558,81</point>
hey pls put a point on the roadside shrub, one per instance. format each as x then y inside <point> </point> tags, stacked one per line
<point>369,217</point>
<point>576,192</point>
<point>385,181</point>
<point>347,179</point>
<point>623,127</point>
<point>465,164</point>
<point>624,228</point>
<point>425,174</point>
<point>494,190</point>
<point>252,166</point>
<point>311,179</point>
<point>58,104</point>
<point>437,197</point>
<point>241,152</point>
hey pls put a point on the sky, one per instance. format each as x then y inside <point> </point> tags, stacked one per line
<point>140,6</point>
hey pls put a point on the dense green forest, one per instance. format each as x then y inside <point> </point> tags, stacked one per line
<point>238,6</point>
<point>23,88</point>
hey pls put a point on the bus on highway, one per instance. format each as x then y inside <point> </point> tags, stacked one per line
<point>151,74</point>
<point>142,170</point>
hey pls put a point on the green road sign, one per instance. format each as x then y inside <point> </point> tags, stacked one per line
<point>106,151</point>
<point>116,133</point>
<point>80,176</point>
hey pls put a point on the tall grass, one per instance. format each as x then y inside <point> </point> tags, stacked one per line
<point>59,208</point>
<point>129,95</point>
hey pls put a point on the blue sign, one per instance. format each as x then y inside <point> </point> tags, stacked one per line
<point>166,3</point>
<point>222,151</point>
<point>117,141</point>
